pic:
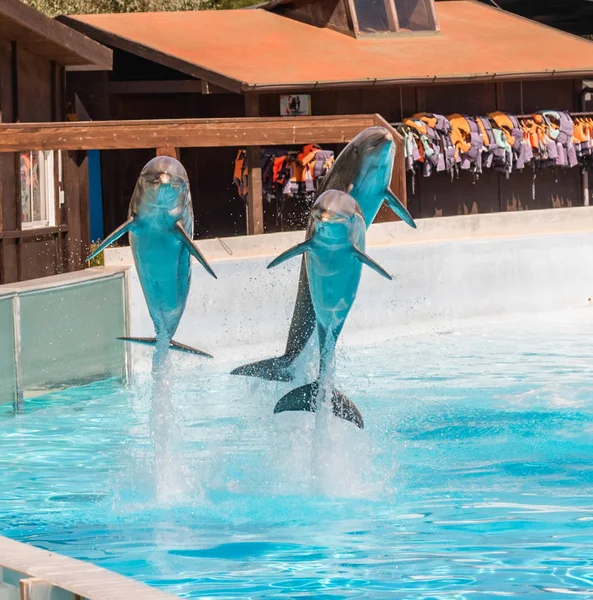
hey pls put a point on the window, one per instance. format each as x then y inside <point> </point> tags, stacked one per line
<point>414,15</point>
<point>373,16</point>
<point>38,188</point>
<point>391,16</point>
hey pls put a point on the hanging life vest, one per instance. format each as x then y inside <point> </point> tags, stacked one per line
<point>510,126</point>
<point>241,174</point>
<point>561,130</point>
<point>427,143</point>
<point>467,137</point>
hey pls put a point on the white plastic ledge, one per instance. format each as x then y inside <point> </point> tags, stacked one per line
<point>39,572</point>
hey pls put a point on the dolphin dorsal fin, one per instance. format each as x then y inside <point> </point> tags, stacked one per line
<point>188,243</point>
<point>367,260</point>
<point>124,228</point>
<point>292,252</point>
<point>398,208</point>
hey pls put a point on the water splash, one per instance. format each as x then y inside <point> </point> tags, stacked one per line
<point>164,470</point>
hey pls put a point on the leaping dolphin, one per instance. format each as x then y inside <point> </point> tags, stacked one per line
<point>363,169</point>
<point>334,254</point>
<point>161,225</point>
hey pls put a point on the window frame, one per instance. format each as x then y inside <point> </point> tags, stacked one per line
<point>48,184</point>
<point>392,16</point>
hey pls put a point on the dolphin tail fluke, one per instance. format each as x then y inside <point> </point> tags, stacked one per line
<point>172,344</point>
<point>305,398</point>
<point>112,238</point>
<point>272,369</point>
<point>398,208</point>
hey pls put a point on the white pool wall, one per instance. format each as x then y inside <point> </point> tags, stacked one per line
<point>448,269</point>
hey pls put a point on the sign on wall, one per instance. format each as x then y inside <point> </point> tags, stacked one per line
<point>295,105</point>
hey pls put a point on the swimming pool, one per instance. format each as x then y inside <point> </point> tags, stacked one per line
<point>472,478</point>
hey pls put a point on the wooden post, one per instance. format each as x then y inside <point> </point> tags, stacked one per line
<point>255,206</point>
<point>398,176</point>
<point>168,151</point>
<point>72,181</point>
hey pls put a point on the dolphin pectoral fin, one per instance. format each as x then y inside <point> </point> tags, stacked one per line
<point>398,208</point>
<point>304,398</point>
<point>172,344</point>
<point>124,228</point>
<point>292,252</point>
<point>187,241</point>
<point>183,348</point>
<point>367,260</point>
<point>272,369</point>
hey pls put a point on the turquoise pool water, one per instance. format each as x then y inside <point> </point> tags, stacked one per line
<point>472,479</point>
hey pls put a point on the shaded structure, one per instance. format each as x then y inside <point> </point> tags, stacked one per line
<point>411,56</point>
<point>43,198</point>
<point>572,16</point>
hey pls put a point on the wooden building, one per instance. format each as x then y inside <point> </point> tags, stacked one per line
<point>43,199</point>
<point>350,57</point>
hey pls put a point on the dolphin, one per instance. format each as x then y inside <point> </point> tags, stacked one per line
<point>161,225</point>
<point>363,169</point>
<point>334,253</point>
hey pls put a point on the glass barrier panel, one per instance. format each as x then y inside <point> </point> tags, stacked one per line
<point>7,358</point>
<point>68,335</point>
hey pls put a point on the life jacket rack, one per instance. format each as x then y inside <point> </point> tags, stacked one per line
<point>286,173</point>
<point>500,141</point>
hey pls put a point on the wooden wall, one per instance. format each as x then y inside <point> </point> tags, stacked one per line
<point>220,212</point>
<point>492,192</point>
<point>32,90</point>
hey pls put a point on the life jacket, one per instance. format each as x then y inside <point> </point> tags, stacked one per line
<point>241,174</point>
<point>559,131</point>
<point>320,167</point>
<point>510,126</point>
<point>425,146</point>
<point>565,135</point>
<point>428,142</point>
<point>467,137</point>
<point>583,136</point>
<point>316,163</point>
<point>493,155</point>
<point>515,136</point>
<point>308,153</point>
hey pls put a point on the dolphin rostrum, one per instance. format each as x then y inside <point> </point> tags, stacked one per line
<point>334,254</point>
<point>363,170</point>
<point>161,225</point>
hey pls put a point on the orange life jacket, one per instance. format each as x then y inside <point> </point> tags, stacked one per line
<point>460,134</point>
<point>241,174</point>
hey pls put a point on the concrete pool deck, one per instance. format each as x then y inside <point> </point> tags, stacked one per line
<point>29,573</point>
